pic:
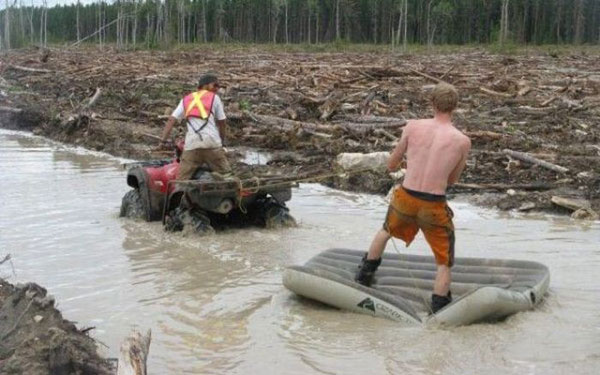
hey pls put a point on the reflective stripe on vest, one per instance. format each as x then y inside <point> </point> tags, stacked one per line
<point>198,104</point>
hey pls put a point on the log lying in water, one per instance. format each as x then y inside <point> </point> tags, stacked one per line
<point>134,353</point>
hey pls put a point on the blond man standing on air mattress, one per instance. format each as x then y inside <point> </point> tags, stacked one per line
<point>436,154</point>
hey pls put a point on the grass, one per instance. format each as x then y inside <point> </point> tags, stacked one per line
<point>244,105</point>
<point>412,49</point>
<point>386,49</point>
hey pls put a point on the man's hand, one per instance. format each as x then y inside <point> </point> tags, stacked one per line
<point>169,125</point>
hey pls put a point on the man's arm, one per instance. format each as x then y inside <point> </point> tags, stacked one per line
<point>220,117</point>
<point>460,167</point>
<point>168,127</point>
<point>398,153</point>
<point>177,115</point>
<point>222,126</point>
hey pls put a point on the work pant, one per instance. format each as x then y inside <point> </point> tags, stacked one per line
<point>212,158</point>
<point>411,211</point>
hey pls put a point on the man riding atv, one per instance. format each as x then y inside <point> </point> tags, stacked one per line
<point>187,191</point>
<point>205,119</point>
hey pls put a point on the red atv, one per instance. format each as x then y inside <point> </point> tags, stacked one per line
<point>209,200</point>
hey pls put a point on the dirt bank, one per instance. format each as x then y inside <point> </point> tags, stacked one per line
<point>36,340</point>
<point>307,108</point>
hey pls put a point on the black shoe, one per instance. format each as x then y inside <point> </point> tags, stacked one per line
<point>439,302</point>
<point>366,270</point>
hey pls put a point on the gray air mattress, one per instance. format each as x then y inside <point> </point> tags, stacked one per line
<point>483,289</point>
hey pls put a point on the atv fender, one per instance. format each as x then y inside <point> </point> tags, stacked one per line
<point>153,201</point>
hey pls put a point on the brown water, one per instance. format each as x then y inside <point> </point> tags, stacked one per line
<point>216,305</point>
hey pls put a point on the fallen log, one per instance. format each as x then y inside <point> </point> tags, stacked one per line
<point>546,102</point>
<point>425,75</point>
<point>277,122</point>
<point>93,99</point>
<point>371,126</point>
<point>570,203</point>
<point>10,109</point>
<point>530,159</point>
<point>495,93</point>
<point>485,134</point>
<point>448,71</point>
<point>152,136</point>
<point>29,70</point>
<point>528,110</point>
<point>378,119</point>
<point>133,354</point>
<point>367,102</point>
<point>387,134</point>
<point>315,134</point>
<point>286,124</point>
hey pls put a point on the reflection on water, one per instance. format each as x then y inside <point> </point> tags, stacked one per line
<point>216,304</point>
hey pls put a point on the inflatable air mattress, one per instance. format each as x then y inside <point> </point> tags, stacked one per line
<point>483,289</point>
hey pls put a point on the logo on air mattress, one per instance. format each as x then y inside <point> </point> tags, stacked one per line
<point>367,303</point>
<point>381,309</point>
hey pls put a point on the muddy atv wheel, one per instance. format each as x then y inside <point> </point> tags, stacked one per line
<point>273,214</point>
<point>132,205</point>
<point>180,217</point>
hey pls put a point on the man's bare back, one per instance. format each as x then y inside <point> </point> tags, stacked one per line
<point>436,154</point>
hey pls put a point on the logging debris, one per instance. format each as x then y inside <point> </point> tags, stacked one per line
<point>544,110</point>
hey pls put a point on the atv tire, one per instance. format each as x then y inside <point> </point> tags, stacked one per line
<point>180,217</point>
<point>273,214</point>
<point>132,205</point>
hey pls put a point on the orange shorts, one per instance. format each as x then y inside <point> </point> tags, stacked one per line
<point>410,211</point>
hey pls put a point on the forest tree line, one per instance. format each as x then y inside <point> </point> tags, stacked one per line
<point>159,23</point>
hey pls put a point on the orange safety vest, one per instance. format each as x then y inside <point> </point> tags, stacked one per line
<point>199,104</point>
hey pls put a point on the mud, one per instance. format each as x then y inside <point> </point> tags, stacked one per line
<point>307,108</point>
<point>35,339</point>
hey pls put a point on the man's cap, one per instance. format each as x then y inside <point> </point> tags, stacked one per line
<point>206,79</point>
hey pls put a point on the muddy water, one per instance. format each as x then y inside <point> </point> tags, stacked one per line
<point>216,305</point>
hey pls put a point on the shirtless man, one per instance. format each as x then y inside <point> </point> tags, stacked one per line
<point>436,154</point>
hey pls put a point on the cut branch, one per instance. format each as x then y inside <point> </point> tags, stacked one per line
<point>425,75</point>
<point>495,93</point>
<point>93,99</point>
<point>10,109</point>
<point>530,159</point>
<point>29,70</point>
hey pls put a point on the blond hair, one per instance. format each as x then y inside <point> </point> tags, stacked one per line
<point>444,98</point>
